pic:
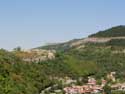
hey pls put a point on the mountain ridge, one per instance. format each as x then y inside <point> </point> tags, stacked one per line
<point>114,33</point>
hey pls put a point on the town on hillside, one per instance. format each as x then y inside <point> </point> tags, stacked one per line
<point>91,87</point>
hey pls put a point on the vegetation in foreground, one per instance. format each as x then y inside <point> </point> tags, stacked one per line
<point>19,77</point>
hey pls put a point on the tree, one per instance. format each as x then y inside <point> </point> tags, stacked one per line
<point>107,89</point>
<point>17,49</point>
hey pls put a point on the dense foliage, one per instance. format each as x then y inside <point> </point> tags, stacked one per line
<point>18,77</point>
<point>116,42</point>
<point>118,92</point>
<point>102,60</point>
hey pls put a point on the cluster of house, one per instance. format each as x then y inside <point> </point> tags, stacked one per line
<point>90,87</point>
<point>118,86</point>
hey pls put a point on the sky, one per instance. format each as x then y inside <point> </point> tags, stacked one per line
<point>33,23</point>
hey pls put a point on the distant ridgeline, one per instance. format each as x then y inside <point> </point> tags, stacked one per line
<point>114,36</point>
<point>118,31</point>
<point>59,46</point>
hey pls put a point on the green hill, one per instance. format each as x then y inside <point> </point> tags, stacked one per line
<point>118,31</point>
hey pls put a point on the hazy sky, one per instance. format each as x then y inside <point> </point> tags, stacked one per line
<point>32,23</point>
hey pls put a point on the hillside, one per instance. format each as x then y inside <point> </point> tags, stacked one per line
<point>76,59</point>
<point>20,77</point>
<point>118,31</point>
<point>105,52</point>
<point>60,46</point>
<point>107,37</point>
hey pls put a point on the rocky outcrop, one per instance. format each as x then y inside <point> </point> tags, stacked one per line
<point>37,55</point>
